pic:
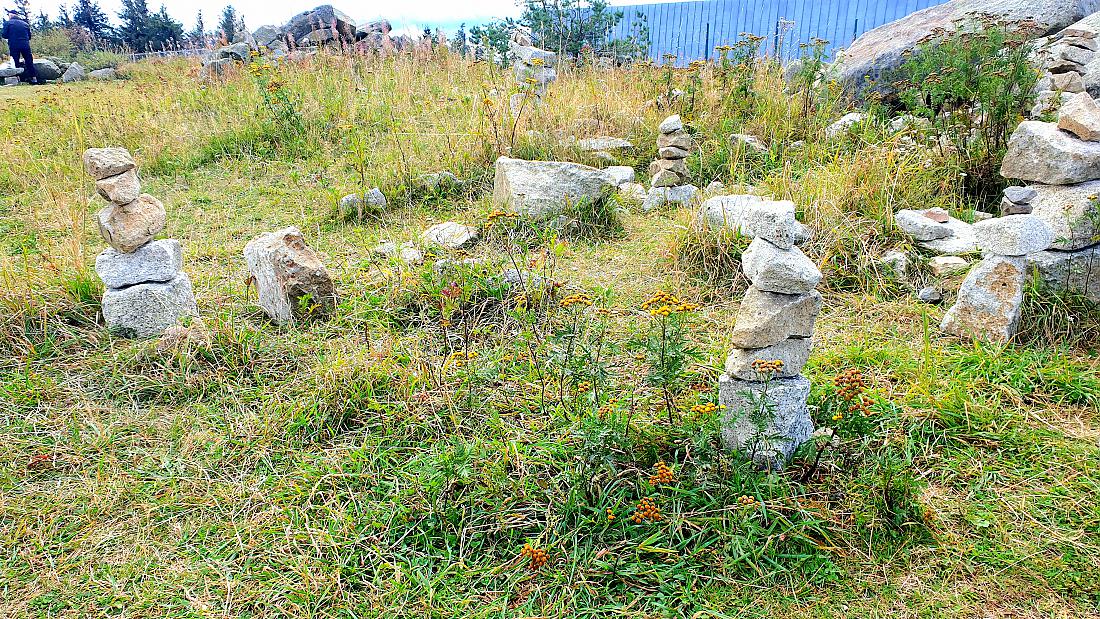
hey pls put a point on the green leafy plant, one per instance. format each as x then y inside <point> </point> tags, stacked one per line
<point>973,83</point>
<point>668,350</point>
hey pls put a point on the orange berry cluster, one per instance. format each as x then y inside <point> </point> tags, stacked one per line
<point>459,358</point>
<point>765,367</point>
<point>495,215</point>
<point>663,304</point>
<point>850,386</point>
<point>537,556</point>
<point>577,299</point>
<point>746,500</point>
<point>662,475</point>
<point>647,510</point>
<point>705,409</point>
<point>610,515</point>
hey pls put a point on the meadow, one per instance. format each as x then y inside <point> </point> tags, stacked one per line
<point>442,448</point>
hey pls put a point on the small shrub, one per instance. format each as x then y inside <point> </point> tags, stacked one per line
<point>100,59</point>
<point>974,85</point>
<point>1058,316</point>
<point>712,256</point>
<point>594,219</point>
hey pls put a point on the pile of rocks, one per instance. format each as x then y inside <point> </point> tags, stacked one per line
<point>291,282</point>
<point>1017,200</point>
<point>762,389</point>
<point>937,231</point>
<point>534,69</point>
<point>1062,163</point>
<point>989,301</point>
<point>1065,59</point>
<point>146,290</point>
<point>669,172</point>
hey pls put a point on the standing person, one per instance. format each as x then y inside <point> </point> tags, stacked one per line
<point>18,33</point>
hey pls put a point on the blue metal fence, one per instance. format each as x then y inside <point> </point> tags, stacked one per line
<point>691,30</point>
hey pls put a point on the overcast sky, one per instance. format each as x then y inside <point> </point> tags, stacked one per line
<point>403,14</point>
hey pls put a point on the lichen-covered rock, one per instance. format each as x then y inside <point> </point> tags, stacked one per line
<point>671,124</point>
<point>545,189</point>
<point>291,282</point>
<point>156,261</point>
<point>766,422</point>
<point>844,125</point>
<point>74,73</point>
<point>1071,211</point>
<point>1015,235</point>
<point>1043,153</point>
<point>121,188</point>
<point>1075,271</point>
<point>787,271</point>
<point>927,225</point>
<point>103,75</point>
<point>767,318</point>
<point>620,174</point>
<point>353,205</point>
<point>100,163</point>
<point>148,309</point>
<point>989,301</point>
<point>127,227</point>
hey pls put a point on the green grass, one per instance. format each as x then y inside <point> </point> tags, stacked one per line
<point>350,468</point>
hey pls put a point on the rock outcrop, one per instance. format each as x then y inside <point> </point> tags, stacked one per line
<point>291,282</point>
<point>546,189</point>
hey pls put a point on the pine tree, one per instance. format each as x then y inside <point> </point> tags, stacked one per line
<point>134,31</point>
<point>63,19</point>
<point>458,41</point>
<point>164,31</point>
<point>24,8</point>
<point>88,15</point>
<point>228,25</point>
<point>42,22</point>
<point>198,35</point>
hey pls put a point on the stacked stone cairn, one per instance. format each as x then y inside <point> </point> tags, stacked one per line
<point>146,290</point>
<point>990,299</point>
<point>534,70</point>
<point>762,389</point>
<point>1061,163</point>
<point>669,172</point>
<point>1065,59</point>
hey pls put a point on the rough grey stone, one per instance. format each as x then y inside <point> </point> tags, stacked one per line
<point>1043,153</point>
<point>961,241</point>
<point>146,310</point>
<point>529,55</point>
<point>74,73</point>
<point>47,69</point>
<point>370,202</point>
<point>604,144</point>
<point>664,178</point>
<point>752,216</point>
<point>434,181</point>
<point>793,352</point>
<point>767,318</point>
<point>679,139</point>
<point>239,52</point>
<point>634,192</point>
<point>989,301</point>
<point>765,428</point>
<point>156,261</point>
<point>1015,235</point>
<point>671,124</point>
<point>921,227</point>
<point>929,294</point>
<point>127,227</point>
<point>671,152</point>
<point>6,72</point>
<point>321,17</point>
<point>544,189</point>
<point>897,262</point>
<point>620,174</point>
<point>103,75</point>
<point>291,283</point>
<point>1075,271</point>
<point>947,265</point>
<point>844,125</point>
<point>1072,212</point>
<point>747,143</point>
<point>451,235</point>
<point>121,188</point>
<point>773,269</point>
<point>1008,207</point>
<point>100,163</point>
<point>679,195</point>
<point>1020,195</point>
<point>406,252</point>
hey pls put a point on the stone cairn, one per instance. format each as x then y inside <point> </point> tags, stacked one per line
<point>1065,59</point>
<point>669,172</point>
<point>991,296</point>
<point>534,70</point>
<point>146,290</point>
<point>1061,163</point>
<point>762,389</point>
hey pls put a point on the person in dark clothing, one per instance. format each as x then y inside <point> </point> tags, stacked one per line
<point>18,34</point>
